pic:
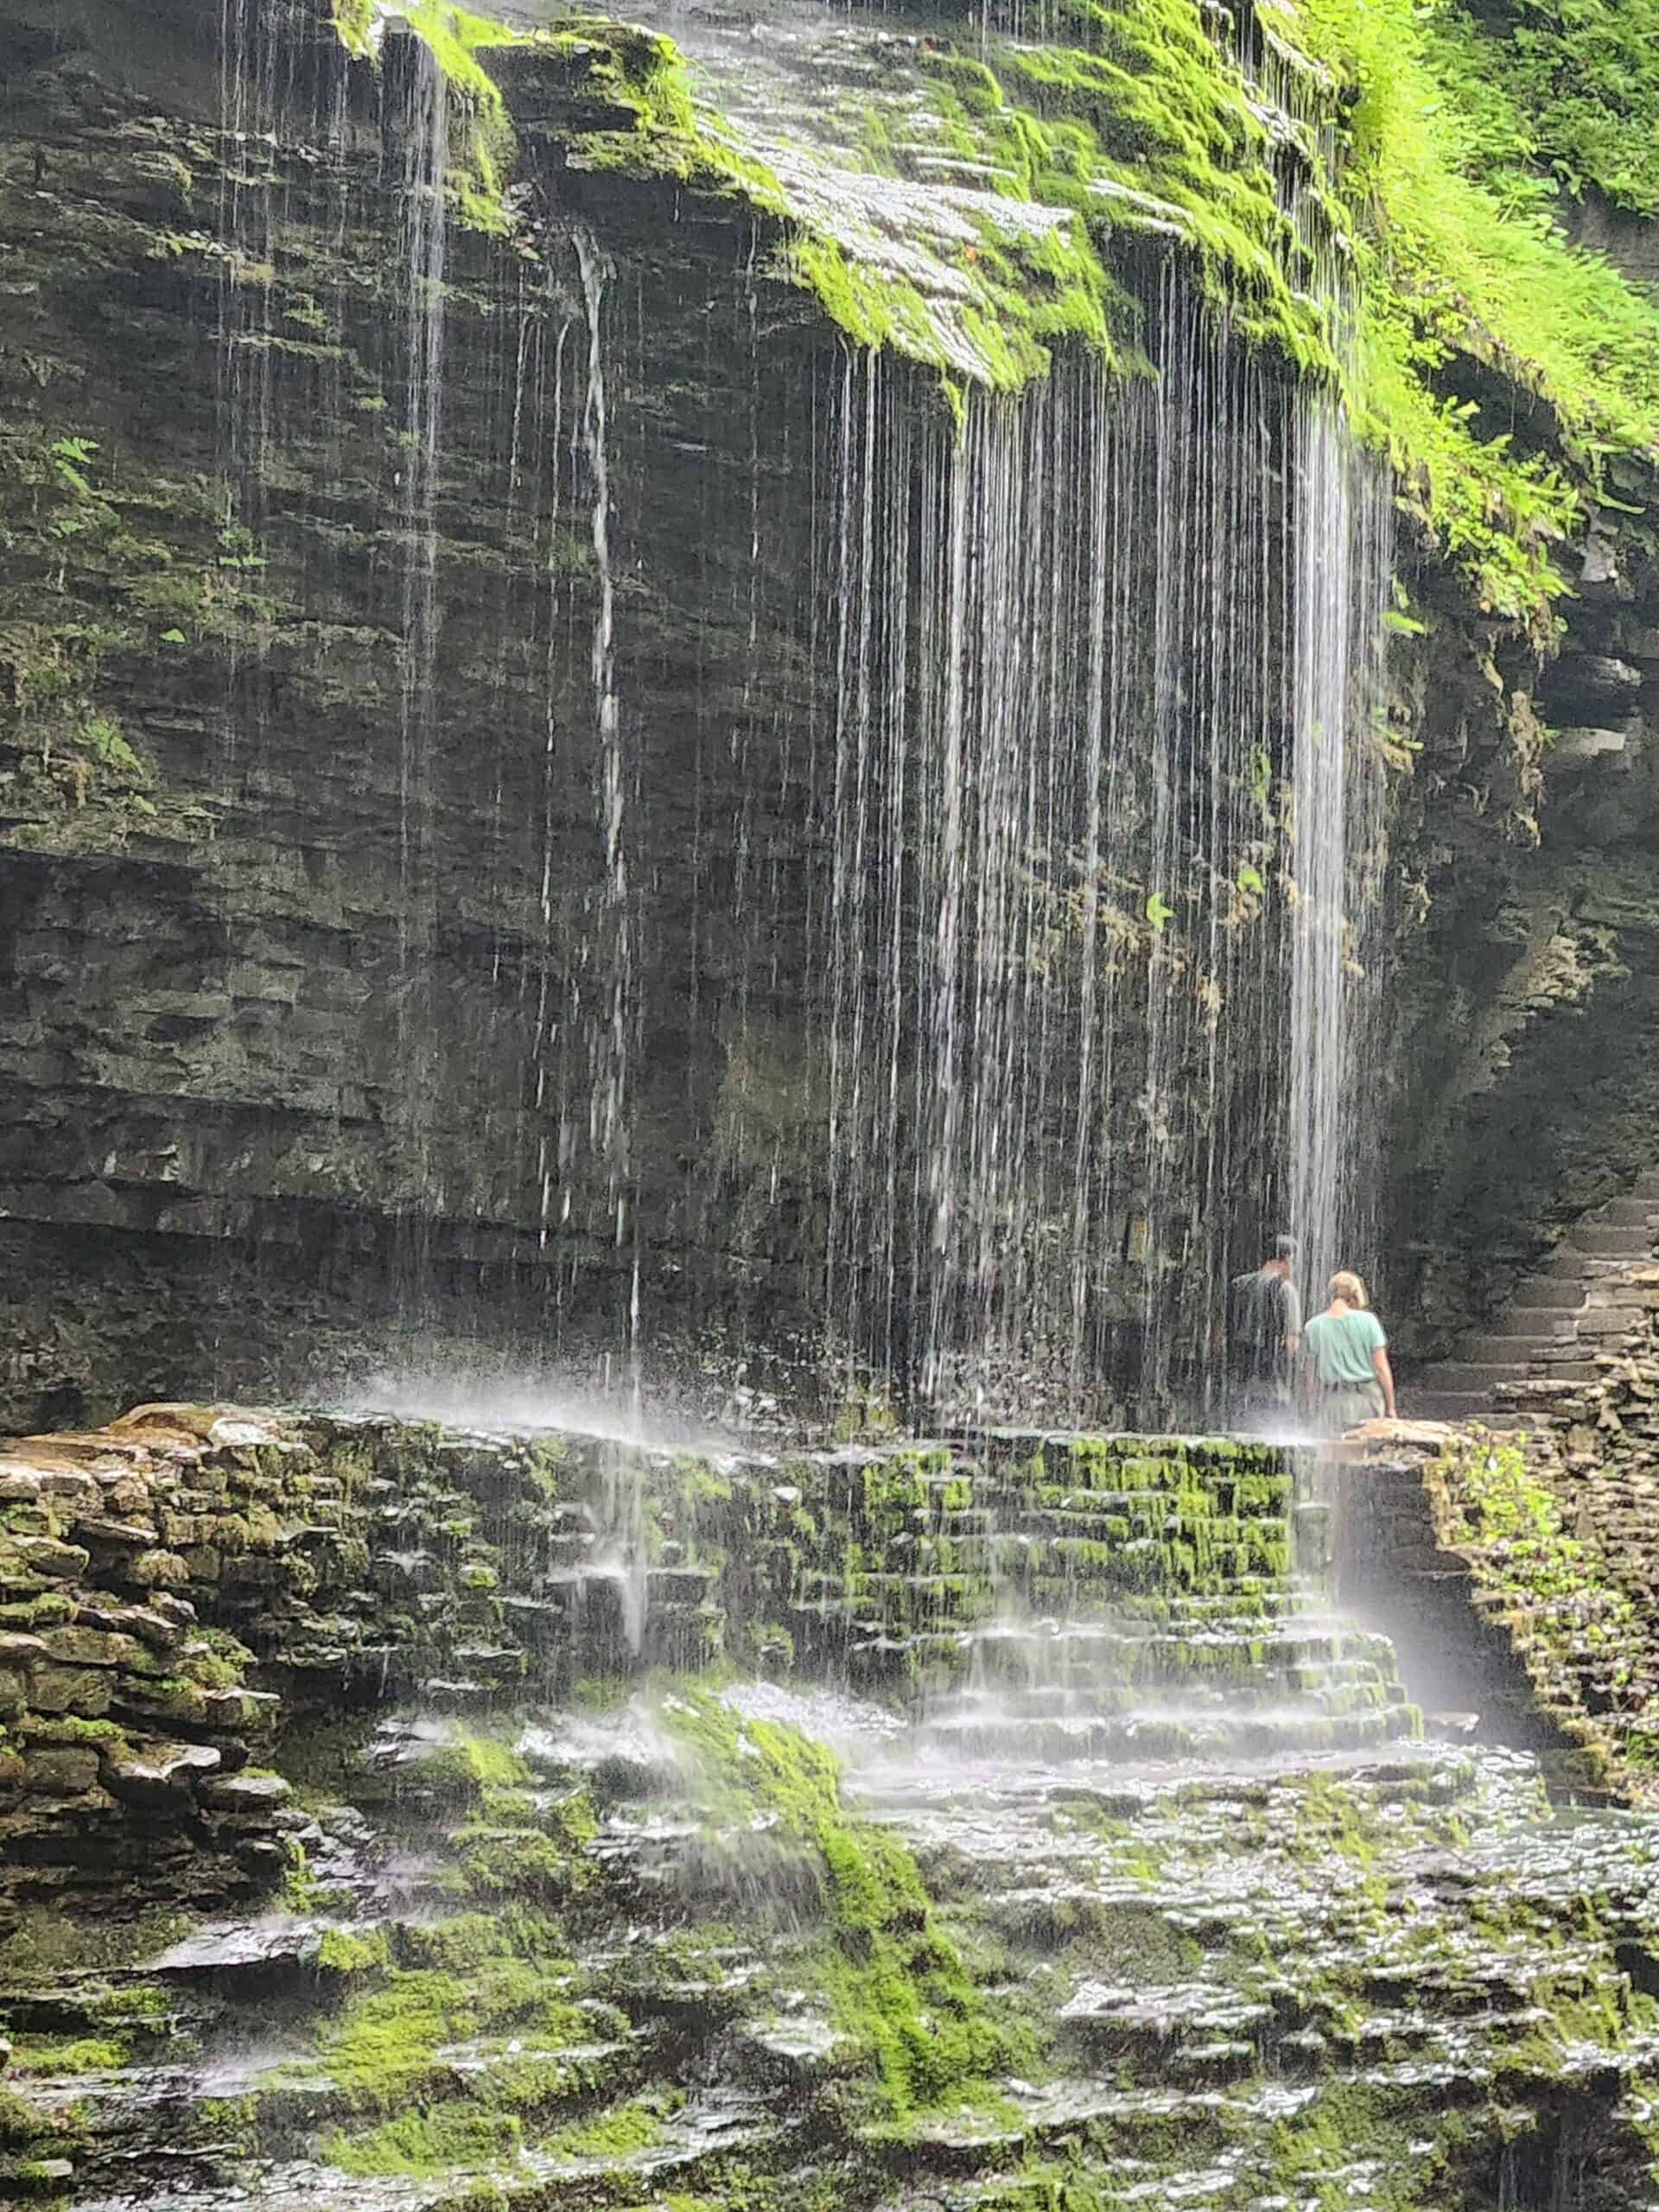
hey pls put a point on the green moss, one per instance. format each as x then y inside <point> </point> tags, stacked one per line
<point>21,2124</point>
<point>481,140</point>
<point>1134,119</point>
<point>614,2134</point>
<point>469,1765</point>
<point>427,2143</point>
<point>100,567</point>
<point>344,1950</point>
<point>543,1863</point>
<point>58,2055</point>
<point>897,1987</point>
<point>1577,1630</point>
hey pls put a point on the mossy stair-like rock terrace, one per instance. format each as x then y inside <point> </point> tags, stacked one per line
<point>188,1586</point>
<point>1149,1891</point>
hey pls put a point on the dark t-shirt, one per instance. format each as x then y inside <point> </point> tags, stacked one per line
<point>1265,1311</point>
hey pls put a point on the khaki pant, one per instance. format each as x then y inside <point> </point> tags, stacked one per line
<point>1346,1408</point>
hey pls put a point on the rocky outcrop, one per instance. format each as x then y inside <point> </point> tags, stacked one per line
<point>189,1589</point>
<point>1514,1077</point>
<point>557,1928</point>
<point>287,978</point>
<point>1524,1556</point>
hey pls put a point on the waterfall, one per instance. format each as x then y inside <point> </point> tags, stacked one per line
<point>1343,544</point>
<point>1344,547</point>
<point>610,1104</point>
<point>616,1018</point>
<point>1027,840</point>
<point>1055,1011</point>
<point>422,147</point>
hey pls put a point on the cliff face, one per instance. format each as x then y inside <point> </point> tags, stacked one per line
<point>1525,1015</point>
<point>439,795</point>
<point>296,964</point>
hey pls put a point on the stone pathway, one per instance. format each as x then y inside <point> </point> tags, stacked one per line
<point>1558,1320</point>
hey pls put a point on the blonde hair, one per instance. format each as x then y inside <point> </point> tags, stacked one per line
<point>1349,1288</point>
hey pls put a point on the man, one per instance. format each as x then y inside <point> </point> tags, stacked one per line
<point>1265,1327</point>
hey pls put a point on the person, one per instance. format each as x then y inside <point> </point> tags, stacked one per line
<point>1266,1328</point>
<point>1347,1356</point>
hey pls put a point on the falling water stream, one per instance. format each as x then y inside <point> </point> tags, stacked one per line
<point>421,145</point>
<point>1343,523</point>
<point>1070,773</point>
<point>1077,826</point>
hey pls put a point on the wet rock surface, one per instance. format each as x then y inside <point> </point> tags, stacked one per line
<point>1227,1983</point>
<point>1537,1540</point>
<point>1125,1878</point>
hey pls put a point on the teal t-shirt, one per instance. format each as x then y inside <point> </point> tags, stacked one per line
<point>1340,1346</point>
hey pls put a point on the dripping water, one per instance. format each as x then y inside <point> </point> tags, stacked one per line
<point>611,1097</point>
<point>1341,576</point>
<point>422,151</point>
<point>1052,839</point>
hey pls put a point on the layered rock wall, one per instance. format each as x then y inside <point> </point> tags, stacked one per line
<point>309,920</point>
<point>188,1587</point>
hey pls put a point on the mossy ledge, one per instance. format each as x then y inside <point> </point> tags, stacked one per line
<point>639,1936</point>
<point>1145,126</point>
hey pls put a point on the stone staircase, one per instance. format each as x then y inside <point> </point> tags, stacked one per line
<point>1558,1320</point>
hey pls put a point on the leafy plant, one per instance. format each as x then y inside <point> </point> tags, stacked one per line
<point>70,457</point>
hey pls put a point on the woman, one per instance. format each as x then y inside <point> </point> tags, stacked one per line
<point>1349,1356</point>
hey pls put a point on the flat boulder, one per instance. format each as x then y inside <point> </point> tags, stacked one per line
<point>156,1774</point>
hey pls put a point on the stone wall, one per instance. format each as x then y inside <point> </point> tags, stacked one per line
<point>1516,1570</point>
<point>189,1589</point>
<point>1400,1568</point>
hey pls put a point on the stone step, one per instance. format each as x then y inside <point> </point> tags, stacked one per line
<point>1548,1293</point>
<point>1051,1666</point>
<point>1630,1213</point>
<point>1571,1261</point>
<point>1559,1374</point>
<point>1254,1733</point>
<point>1470,1375</point>
<point>1611,1320</point>
<point>1517,1351</point>
<point>1615,1243</point>
<point>1446,1405</point>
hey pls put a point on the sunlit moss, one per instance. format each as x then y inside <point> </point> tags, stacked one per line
<point>1450,268</point>
<point>897,1987</point>
<point>1136,121</point>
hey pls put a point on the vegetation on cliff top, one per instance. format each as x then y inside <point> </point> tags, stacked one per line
<point>1471,296</point>
<point>482,144</point>
<point>1136,121</point>
<point>1572,88</point>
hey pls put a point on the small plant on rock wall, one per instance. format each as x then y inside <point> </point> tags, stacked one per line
<point>89,583</point>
